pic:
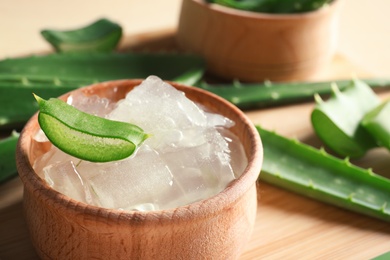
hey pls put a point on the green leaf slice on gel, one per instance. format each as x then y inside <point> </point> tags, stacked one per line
<point>86,136</point>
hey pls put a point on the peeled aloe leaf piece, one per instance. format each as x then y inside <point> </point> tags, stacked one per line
<point>101,35</point>
<point>337,120</point>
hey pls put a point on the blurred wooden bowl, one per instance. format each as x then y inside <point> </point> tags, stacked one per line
<point>215,228</point>
<point>253,46</point>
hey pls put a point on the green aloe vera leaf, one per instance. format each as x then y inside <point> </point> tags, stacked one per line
<point>311,172</point>
<point>7,157</point>
<point>252,95</point>
<point>337,120</point>
<point>100,66</point>
<point>191,77</point>
<point>246,5</point>
<point>17,106</point>
<point>17,90</point>
<point>297,6</point>
<point>385,256</point>
<point>86,136</point>
<point>377,123</point>
<point>101,35</point>
<point>56,74</point>
<point>274,6</point>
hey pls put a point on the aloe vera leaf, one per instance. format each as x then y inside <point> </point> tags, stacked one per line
<point>337,121</point>
<point>7,155</point>
<point>99,66</point>
<point>251,95</point>
<point>191,77</point>
<point>305,170</point>
<point>56,74</point>
<point>274,6</point>
<point>377,123</point>
<point>86,136</point>
<point>15,94</point>
<point>385,256</point>
<point>246,5</point>
<point>295,6</point>
<point>101,35</point>
<point>17,106</point>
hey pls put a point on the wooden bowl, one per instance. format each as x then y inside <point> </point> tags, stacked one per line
<point>253,46</point>
<point>216,228</point>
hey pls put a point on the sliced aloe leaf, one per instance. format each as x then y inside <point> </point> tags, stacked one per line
<point>337,120</point>
<point>377,123</point>
<point>101,35</point>
<point>85,136</point>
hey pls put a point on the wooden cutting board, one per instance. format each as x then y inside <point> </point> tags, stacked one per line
<point>288,226</point>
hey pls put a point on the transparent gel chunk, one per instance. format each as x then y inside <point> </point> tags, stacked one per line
<point>201,170</point>
<point>238,159</point>
<point>94,104</point>
<point>166,107</point>
<point>52,157</point>
<point>64,178</point>
<point>140,179</point>
<point>214,120</point>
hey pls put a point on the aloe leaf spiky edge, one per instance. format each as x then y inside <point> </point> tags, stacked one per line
<point>308,171</point>
<point>258,95</point>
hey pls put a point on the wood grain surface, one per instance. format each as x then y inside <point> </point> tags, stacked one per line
<point>288,226</point>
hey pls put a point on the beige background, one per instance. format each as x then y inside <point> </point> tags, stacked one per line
<point>364,24</point>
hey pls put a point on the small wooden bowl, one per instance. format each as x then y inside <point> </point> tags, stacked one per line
<point>253,46</point>
<point>215,228</point>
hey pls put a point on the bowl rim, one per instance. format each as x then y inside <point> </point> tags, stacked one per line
<point>197,210</point>
<point>265,16</point>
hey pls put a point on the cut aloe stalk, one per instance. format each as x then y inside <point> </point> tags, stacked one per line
<point>101,35</point>
<point>337,120</point>
<point>314,173</point>
<point>377,123</point>
<point>7,157</point>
